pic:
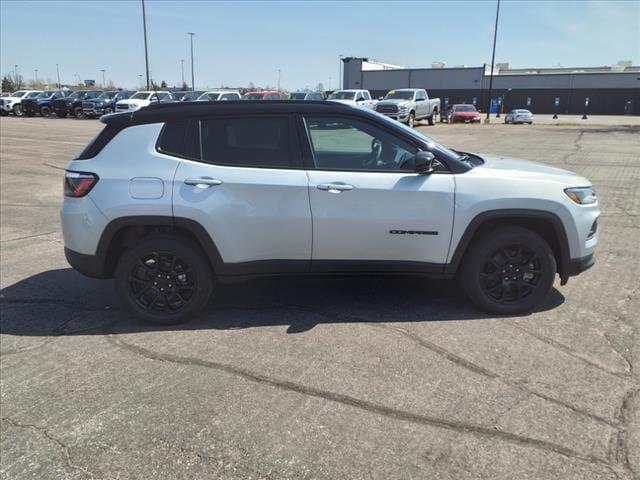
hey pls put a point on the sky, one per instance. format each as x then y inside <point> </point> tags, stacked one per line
<point>239,42</point>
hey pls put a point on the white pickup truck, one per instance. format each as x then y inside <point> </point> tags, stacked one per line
<point>360,98</point>
<point>408,105</point>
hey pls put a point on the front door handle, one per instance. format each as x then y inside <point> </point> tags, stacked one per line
<point>334,187</point>
<point>203,182</point>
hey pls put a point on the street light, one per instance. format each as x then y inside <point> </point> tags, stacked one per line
<point>493,58</point>
<point>103,82</point>
<point>182,66</point>
<point>15,75</point>
<point>58,73</point>
<point>140,79</point>
<point>36,72</point>
<point>193,82</point>
<point>146,51</point>
<point>340,79</point>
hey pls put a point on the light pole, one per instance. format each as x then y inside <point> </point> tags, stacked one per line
<point>103,82</point>
<point>493,58</point>
<point>182,66</point>
<point>140,79</point>
<point>193,82</point>
<point>36,72</point>
<point>58,73</point>
<point>15,76</point>
<point>146,51</point>
<point>340,79</point>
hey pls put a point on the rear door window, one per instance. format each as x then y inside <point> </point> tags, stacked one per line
<point>247,141</point>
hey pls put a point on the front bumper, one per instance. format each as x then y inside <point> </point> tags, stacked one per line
<point>579,265</point>
<point>399,116</point>
<point>93,111</point>
<point>6,107</point>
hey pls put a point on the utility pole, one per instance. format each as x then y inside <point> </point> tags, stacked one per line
<point>340,80</point>
<point>15,76</point>
<point>58,73</point>
<point>146,51</point>
<point>103,82</point>
<point>193,82</point>
<point>493,58</point>
<point>182,65</point>
<point>140,79</point>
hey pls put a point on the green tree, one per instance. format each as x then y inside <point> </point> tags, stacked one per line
<point>7,84</point>
<point>185,86</point>
<point>163,84</point>
<point>320,88</point>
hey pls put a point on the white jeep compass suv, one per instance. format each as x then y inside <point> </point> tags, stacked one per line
<point>169,197</point>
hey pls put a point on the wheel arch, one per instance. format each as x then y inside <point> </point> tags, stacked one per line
<point>123,232</point>
<point>546,224</point>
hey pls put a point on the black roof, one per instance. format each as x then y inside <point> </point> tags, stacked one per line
<point>163,112</point>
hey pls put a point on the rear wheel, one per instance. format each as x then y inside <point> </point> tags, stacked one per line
<point>17,110</point>
<point>508,270</point>
<point>45,111</point>
<point>432,117</point>
<point>164,279</point>
<point>77,112</point>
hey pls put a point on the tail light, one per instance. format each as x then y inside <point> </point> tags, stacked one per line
<point>78,184</point>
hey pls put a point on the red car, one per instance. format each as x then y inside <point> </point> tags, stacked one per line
<point>463,113</point>
<point>264,95</point>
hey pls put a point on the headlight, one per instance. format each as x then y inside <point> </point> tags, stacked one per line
<point>581,195</point>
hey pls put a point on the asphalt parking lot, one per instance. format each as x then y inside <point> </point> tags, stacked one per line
<point>348,378</point>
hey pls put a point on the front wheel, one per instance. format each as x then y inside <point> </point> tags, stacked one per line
<point>17,110</point>
<point>78,113</point>
<point>508,271</point>
<point>164,279</point>
<point>45,111</point>
<point>411,121</point>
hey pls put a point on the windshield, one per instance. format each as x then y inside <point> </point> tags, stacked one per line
<point>32,95</point>
<point>298,96</point>
<point>342,96</point>
<point>107,95</point>
<point>432,145</point>
<point>525,112</point>
<point>252,96</point>
<point>46,94</point>
<point>188,96</point>
<point>74,95</point>
<point>140,96</point>
<point>399,94</point>
<point>464,108</point>
<point>19,93</point>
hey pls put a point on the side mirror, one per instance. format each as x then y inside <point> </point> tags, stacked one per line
<point>380,98</point>
<point>424,163</point>
<point>361,99</point>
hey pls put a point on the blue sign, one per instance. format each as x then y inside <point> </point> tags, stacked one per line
<point>446,101</point>
<point>495,102</point>
<point>90,83</point>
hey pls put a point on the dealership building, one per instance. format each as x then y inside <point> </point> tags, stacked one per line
<point>607,90</point>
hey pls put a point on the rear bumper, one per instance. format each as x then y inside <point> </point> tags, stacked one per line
<point>89,265</point>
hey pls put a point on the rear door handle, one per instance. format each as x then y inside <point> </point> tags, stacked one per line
<point>334,187</point>
<point>203,182</point>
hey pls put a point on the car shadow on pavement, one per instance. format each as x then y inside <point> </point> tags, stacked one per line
<point>63,302</point>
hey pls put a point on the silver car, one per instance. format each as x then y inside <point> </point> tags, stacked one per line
<point>519,116</point>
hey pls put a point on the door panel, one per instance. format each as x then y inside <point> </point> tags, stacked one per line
<point>252,214</point>
<point>383,216</point>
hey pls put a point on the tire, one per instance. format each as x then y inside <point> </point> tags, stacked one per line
<point>45,111</point>
<point>508,270</point>
<point>17,110</point>
<point>411,121</point>
<point>77,112</point>
<point>107,111</point>
<point>432,117</point>
<point>160,262</point>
